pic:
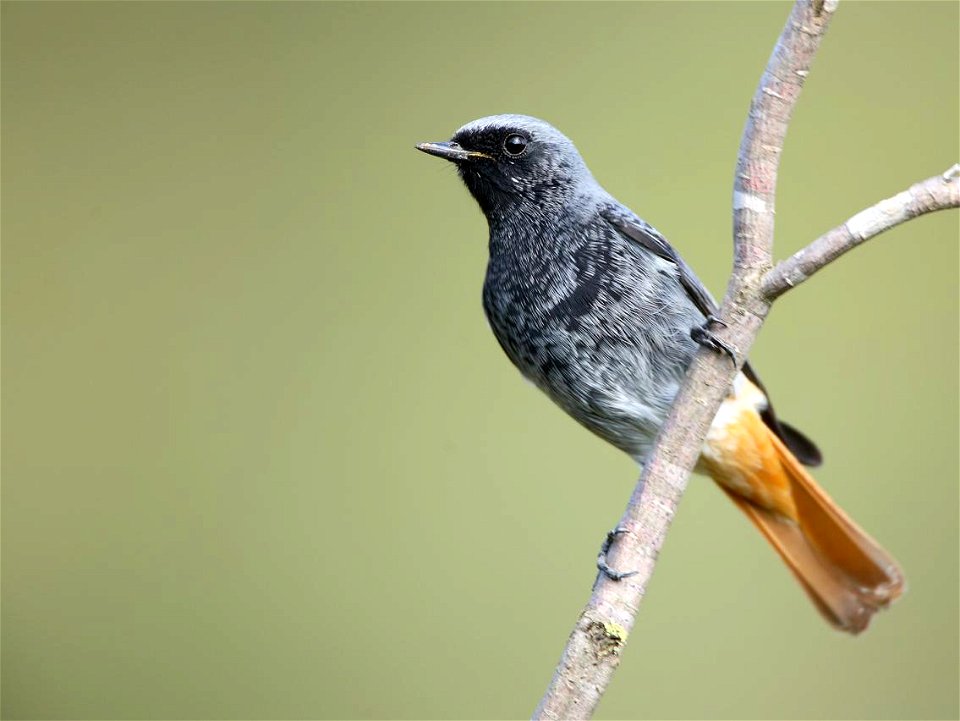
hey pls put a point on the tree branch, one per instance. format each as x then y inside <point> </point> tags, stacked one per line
<point>936,193</point>
<point>593,650</point>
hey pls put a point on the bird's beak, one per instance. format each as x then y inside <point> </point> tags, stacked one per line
<point>452,151</point>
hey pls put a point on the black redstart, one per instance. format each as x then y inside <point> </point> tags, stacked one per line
<point>595,307</point>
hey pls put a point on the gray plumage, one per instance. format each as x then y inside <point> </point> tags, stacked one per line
<point>590,302</point>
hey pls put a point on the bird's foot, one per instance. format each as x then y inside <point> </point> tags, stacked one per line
<point>705,337</point>
<point>602,557</point>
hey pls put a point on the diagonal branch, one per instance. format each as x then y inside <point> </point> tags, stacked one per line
<point>936,193</point>
<point>592,652</point>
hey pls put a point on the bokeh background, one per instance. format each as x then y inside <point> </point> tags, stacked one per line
<point>263,458</point>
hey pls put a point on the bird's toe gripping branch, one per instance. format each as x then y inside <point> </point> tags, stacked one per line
<point>705,337</point>
<point>602,557</point>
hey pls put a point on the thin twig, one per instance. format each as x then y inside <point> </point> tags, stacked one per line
<point>936,193</point>
<point>593,650</point>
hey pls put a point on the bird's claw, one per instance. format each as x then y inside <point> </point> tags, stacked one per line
<point>705,337</point>
<point>602,557</point>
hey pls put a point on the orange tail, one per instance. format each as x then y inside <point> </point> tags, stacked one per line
<point>846,573</point>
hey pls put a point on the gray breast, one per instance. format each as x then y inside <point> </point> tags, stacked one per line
<point>598,323</point>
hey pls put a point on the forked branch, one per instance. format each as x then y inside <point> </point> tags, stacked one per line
<point>937,193</point>
<point>593,650</point>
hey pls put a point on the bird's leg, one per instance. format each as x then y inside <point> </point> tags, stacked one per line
<point>602,557</point>
<point>705,337</point>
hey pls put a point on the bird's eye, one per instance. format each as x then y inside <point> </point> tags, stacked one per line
<point>515,144</point>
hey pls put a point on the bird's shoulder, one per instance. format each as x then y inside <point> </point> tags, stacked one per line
<point>635,230</point>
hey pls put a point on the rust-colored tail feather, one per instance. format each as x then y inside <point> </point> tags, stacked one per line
<point>846,573</point>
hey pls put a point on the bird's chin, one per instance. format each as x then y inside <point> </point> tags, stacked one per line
<point>480,187</point>
<point>469,174</point>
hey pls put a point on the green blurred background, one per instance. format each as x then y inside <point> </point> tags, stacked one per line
<point>263,457</point>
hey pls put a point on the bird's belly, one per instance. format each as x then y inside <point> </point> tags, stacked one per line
<point>620,386</point>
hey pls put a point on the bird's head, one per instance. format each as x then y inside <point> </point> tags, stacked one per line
<point>514,163</point>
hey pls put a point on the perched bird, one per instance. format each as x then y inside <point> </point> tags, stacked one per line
<point>595,307</point>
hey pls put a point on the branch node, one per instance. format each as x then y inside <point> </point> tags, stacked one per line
<point>608,637</point>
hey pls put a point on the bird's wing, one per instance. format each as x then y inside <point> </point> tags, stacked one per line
<point>639,231</point>
<point>636,229</point>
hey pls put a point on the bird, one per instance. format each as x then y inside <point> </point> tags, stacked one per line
<point>594,306</point>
